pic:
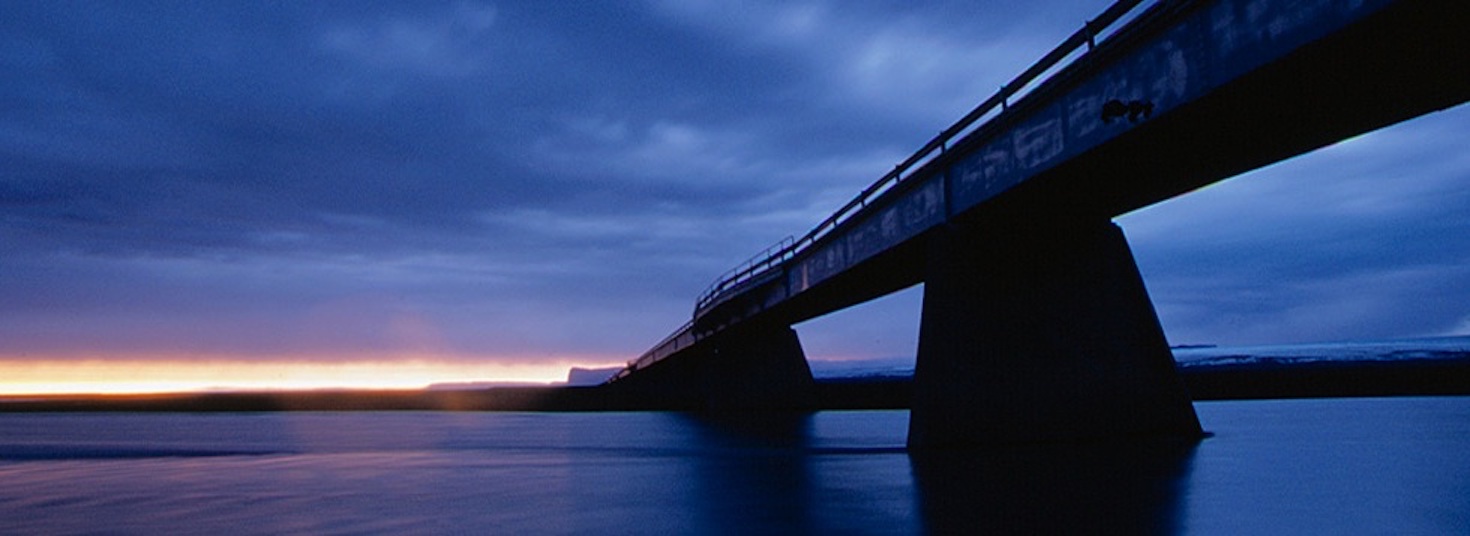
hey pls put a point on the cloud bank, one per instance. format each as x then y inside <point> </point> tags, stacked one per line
<point>479,180</point>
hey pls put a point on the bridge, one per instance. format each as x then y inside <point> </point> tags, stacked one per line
<point>1036,325</point>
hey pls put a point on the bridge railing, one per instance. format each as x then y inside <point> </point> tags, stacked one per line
<point>760,262</point>
<point>680,339</point>
<point>775,256</point>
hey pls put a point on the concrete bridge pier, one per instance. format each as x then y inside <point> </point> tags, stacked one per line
<point>1041,333</point>
<point>754,366</point>
<point>759,366</point>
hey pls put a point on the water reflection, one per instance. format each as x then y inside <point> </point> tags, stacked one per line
<point>739,429</point>
<point>755,472</point>
<point>1386,465</point>
<point>773,472</point>
<point>1122,488</point>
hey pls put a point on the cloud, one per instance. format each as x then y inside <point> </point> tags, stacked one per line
<point>543,179</point>
<point>439,44</point>
<point>919,65</point>
<point>1363,239</point>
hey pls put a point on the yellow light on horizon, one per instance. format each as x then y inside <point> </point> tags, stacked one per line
<point>141,376</point>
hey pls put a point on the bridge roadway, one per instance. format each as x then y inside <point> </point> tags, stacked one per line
<point>1031,294</point>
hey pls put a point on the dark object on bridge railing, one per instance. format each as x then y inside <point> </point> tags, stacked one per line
<point>779,253</point>
<point>1133,110</point>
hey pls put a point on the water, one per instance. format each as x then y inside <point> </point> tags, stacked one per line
<point>1438,348</point>
<point>1334,466</point>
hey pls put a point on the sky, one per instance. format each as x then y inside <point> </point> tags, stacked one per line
<point>501,190</point>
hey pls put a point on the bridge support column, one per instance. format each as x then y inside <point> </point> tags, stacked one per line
<point>760,366</point>
<point>757,366</point>
<point>1038,335</point>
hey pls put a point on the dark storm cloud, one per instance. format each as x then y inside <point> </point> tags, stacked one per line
<point>527,177</point>
<point>425,116</point>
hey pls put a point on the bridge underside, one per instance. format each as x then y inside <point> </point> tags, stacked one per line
<point>1403,62</point>
<point>1036,325</point>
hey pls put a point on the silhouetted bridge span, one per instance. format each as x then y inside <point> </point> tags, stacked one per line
<point>1036,324</point>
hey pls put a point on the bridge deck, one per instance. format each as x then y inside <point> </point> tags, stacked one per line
<point>1185,94</point>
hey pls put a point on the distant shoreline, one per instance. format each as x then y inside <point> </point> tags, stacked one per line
<point>1412,377</point>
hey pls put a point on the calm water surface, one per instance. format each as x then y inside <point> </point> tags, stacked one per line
<point>1339,466</point>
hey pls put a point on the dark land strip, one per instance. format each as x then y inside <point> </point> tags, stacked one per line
<point>1412,377</point>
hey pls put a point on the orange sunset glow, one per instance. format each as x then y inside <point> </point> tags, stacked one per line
<point>32,376</point>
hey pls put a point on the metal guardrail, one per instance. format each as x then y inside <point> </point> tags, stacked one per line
<point>664,348</point>
<point>760,262</point>
<point>776,255</point>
